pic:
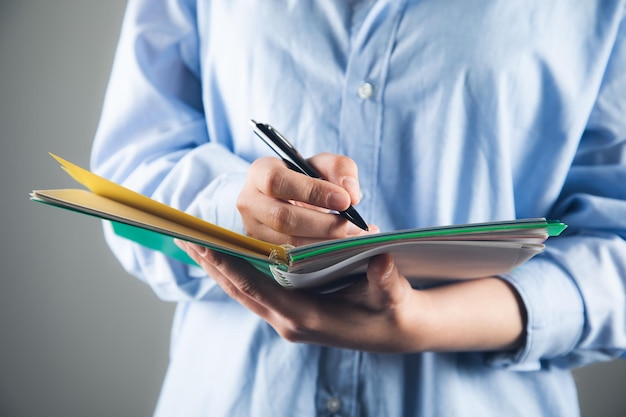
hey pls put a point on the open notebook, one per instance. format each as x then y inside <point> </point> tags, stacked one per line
<point>424,255</point>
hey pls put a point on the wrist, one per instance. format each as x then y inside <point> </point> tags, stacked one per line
<point>484,314</point>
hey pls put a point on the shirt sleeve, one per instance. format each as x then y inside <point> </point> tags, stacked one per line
<point>153,138</point>
<point>575,293</point>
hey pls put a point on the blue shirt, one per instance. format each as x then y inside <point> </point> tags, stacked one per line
<point>455,112</point>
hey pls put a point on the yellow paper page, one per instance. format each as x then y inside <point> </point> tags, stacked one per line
<point>108,189</point>
<point>99,206</point>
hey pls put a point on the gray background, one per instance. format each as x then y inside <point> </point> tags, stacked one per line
<point>78,336</point>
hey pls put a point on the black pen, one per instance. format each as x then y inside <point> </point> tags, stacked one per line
<point>285,150</point>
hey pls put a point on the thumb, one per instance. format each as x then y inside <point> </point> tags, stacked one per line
<point>340,170</point>
<point>383,279</point>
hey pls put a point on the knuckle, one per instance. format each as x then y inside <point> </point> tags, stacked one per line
<point>290,334</point>
<point>301,329</point>
<point>315,194</point>
<point>272,182</point>
<point>342,162</point>
<point>293,331</point>
<point>241,204</point>
<point>249,289</point>
<point>281,218</point>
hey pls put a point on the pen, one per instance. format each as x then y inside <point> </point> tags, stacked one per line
<point>292,158</point>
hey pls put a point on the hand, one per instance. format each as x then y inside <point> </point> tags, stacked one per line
<point>280,206</point>
<point>381,313</point>
<point>369,315</point>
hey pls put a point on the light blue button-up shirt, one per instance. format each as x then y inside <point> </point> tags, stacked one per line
<point>455,112</point>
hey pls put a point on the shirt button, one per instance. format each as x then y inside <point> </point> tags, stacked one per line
<point>333,404</point>
<point>365,91</point>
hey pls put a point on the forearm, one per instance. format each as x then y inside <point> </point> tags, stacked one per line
<point>484,314</point>
<point>159,140</point>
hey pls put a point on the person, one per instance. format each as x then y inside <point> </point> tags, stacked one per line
<point>419,114</point>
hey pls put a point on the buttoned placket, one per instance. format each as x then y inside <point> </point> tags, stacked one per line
<point>362,102</point>
<point>360,135</point>
<point>338,383</point>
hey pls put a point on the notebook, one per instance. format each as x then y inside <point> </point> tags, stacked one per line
<point>424,255</point>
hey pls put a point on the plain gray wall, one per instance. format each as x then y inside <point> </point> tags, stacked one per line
<point>78,336</point>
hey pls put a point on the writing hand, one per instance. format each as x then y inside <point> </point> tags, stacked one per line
<point>281,206</point>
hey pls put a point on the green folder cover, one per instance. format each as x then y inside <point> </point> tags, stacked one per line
<point>423,255</point>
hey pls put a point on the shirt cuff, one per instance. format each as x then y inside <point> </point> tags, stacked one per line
<point>217,203</point>
<point>554,311</point>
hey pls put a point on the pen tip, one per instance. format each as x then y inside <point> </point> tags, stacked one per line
<point>252,122</point>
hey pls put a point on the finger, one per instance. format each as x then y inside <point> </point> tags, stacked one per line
<point>210,262</point>
<point>265,233</point>
<point>384,282</point>
<point>272,177</point>
<point>293,314</point>
<point>300,224</point>
<point>377,289</point>
<point>340,170</point>
<point>296,316</point>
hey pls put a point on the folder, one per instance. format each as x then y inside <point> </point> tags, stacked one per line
<point>424,255</point>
